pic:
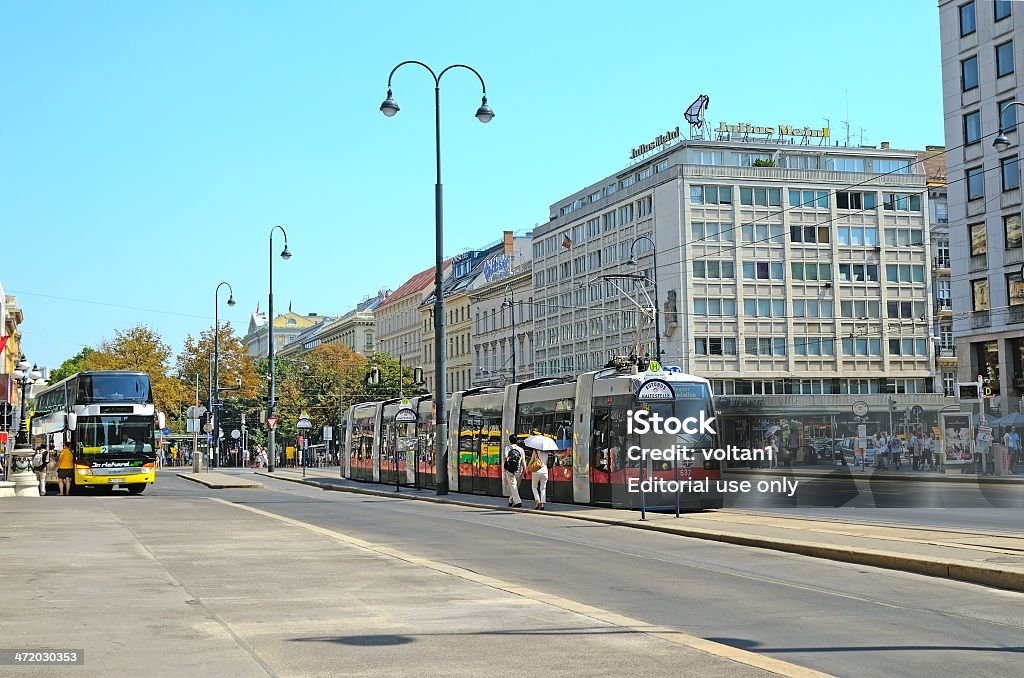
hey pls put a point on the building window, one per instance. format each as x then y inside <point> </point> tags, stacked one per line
<point>975,183</point>
<point>812,308</point>
<point>713,268</point>
<point>860,309</point>
<point>845,164</point>
<point>809,234</point>
<point>847,200</point>
<point>714,346</point>
<point>892,166</point>
<point>762,270</point>
<point>1012,229</point>
<point>857,235</point>
<point>1015,289</point>
<point>808,199</point>
<point>768,346</point>
<point>967,19</point>
<point>862,346</point>
<point>1004,59</point>
<point>904,272</point>
<point>979,244</point>
<point>762,197</point>
<point>764,308</point>
<point>761,232</point>
<point>979,294</point>
<point>1010,173</point>
<point>711,231</point>
<point>972,127</point>
<point>942,253</point>
<point>905,309</point>
<point>902,202</point>
<point>948,383</point>
<point>1007,116</point>
<point>858,272</point>
<point>969,73</point>
<point>812,272</point>
<point>1002,9</point>
<point>714,306</point>
<point>814,346</point>
<point>904,237</point>
<point>707,157</point>
<point>710,195</point>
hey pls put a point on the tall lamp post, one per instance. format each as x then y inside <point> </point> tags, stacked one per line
<point>657,311</point>
<point>216,367</point>
<point>271,404</point>
<point>26,377</point>
<point>483,114</point>
<point>510,301</point>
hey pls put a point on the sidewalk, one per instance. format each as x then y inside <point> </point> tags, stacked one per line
<point>984,558</point>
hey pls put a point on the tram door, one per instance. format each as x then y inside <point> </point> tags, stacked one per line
<point>487,449</point>
<point>600,456</point>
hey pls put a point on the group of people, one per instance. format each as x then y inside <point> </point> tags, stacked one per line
<point>921,448</point>
<point>514,462</point>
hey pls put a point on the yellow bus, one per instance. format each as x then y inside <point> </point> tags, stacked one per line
<point>107,418</point>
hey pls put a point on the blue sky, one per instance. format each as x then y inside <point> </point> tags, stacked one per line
<point>148,148</point>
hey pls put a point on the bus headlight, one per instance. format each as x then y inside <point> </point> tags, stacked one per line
<point>83,470</point>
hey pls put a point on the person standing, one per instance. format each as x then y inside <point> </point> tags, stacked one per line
<point>773,451</point>
<point>1011,439</point>
<point>539,477</point>
<point>512,470</point>
<point>65,470</point>
<point>40,461</point>
<point>792,446</point>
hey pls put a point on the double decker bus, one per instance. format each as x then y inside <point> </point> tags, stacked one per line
<point>107,419</point>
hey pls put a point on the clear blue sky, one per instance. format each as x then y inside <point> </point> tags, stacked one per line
<point>147,148</point>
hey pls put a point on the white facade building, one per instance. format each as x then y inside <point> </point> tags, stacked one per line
<point>981,46</point>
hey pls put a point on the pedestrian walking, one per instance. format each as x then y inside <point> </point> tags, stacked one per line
<point>538,469</point>
<point>65,470</point>
<point>917,452</point>
<point>512,470</point>
<point>896,450</point>
<point>931,453</point>
<point>40,462</point>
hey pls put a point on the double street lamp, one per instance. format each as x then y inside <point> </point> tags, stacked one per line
<point>271,404</point>
<point>26,375</point>
<point>483,114</point>
<point>657,311</point>
<point>215,406</point>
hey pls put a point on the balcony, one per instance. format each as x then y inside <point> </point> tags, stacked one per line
<point>943,309</point>
<point>941,266</point>
<point>980,319</point>
<point>946,357</point>
<point>798,175</point>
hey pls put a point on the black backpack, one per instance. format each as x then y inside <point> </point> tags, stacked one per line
<point>513,460</point>
<point>44,458</point>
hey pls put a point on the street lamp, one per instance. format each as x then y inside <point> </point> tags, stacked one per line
<point>271,406</point>
<point>216,366</point>
<point>26,377</point>
<point>483,114</point>
<point>1001,143</point>
<point>657,312</point>
<point>510,301</point>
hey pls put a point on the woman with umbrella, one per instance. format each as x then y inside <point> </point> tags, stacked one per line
<point>540,448</point>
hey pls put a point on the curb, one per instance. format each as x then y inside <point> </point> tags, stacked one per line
<point>945,568</point>
<point>215,485</point>
<point>966,478</point>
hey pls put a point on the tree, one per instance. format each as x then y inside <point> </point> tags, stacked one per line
<point>72,365</point>
<point>140,348</point>
<point>234,364</point>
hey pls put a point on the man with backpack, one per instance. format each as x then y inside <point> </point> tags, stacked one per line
<point>512,470</point>
<point>40,461</point>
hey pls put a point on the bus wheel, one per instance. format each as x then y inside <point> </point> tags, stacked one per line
<point>136,488</point>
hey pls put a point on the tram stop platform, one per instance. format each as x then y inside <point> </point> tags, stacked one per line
<point>986,557</point>
<point>221,481</point>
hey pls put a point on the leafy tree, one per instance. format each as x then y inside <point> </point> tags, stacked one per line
<point>141,348</point>
<point>72,365</point>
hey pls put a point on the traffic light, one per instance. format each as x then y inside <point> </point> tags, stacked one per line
<point>373,376</point>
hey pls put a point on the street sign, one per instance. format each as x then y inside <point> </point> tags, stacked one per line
<point>196,412</point>
<point>165,431</point>
<point>236,434</point>
<point>917,413</point>
<point>5,416</point>
<point>328,433</point>
<point>303,423</point>
<point>405,415</point>
<point>207,427</point>
<point>271,423</point>
<point>655,390</point>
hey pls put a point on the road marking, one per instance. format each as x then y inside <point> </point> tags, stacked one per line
<point>671,635</point>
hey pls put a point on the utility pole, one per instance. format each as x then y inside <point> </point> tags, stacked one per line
<point>196,458</point>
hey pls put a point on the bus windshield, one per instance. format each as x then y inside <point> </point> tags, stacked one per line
<point>105,388</point>
<point>115,435</point>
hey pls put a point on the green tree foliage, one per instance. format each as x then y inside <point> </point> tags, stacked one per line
<point>141,348</point>
<point>72,365</point>
<point>761,162</point>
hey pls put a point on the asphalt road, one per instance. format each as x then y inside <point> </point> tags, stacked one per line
<point>841,619</point>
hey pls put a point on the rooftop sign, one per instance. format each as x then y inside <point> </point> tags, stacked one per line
<point>660,140</point>
<point>781,130</point>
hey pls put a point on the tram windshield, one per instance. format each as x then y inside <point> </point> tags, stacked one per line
<point>692,401</point>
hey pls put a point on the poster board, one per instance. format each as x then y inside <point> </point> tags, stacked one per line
<point>957,441</point>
